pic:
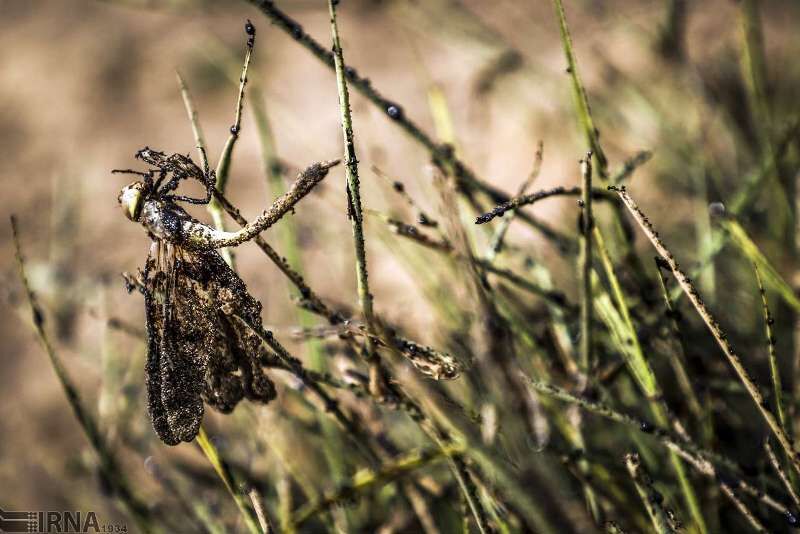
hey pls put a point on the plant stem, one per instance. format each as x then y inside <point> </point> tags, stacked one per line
<point>354,211</point>
<point>650,497</point>
<point>587,222</point>
<point>579,94</point>
<point>213,207</point>
<point>224,473</point>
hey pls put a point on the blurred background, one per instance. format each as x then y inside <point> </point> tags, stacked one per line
<point>84,85</point>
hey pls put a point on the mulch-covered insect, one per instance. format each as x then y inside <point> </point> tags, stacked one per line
<point>202,323</point>
<point>197,308</point>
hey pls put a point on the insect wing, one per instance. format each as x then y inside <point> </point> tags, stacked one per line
<point>175,367</point>
<point>234,364</point>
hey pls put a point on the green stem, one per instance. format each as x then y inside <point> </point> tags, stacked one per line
<point>224,473</point>
<point>354,203</point>
<point>586,264</point>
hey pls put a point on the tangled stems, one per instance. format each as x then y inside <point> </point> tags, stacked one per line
<point>713,326</point>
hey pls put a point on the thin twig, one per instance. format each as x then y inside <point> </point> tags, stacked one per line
<point>496,243</point>
<point>354,211</point>
<point>526,200</point>
<point>776,465</point>
<point>587,222</point>
<point>651,498</point>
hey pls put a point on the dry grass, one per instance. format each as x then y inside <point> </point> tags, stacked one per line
<point>436,375</point>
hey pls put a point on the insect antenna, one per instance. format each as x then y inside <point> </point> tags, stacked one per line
<point>146,175</point>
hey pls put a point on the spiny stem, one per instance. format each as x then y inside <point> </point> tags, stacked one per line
<point>650,497</point>
<point>354,211</point>
<point>713,326</point>
<point>774,369</point>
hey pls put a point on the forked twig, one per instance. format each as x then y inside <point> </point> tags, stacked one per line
<point>651,498</point>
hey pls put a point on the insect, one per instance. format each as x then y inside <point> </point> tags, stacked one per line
<point>201,344</point>
<point>200,349</point>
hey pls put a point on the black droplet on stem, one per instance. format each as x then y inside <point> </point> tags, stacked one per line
<point>234,130</point>
<point>394,111</point>
<point>249,28</point>
<point>656,497</point>
<point>424,220</point>
<point>38,317</point>
<point>716,209</point>
<point>646,426</point>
